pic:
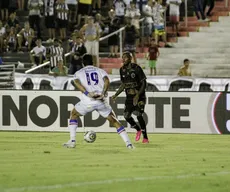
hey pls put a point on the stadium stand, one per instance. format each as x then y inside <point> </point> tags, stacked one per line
<point>195,42</point>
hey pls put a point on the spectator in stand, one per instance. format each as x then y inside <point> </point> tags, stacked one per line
<point>21,4</point>
<point>25,36</point>
<point>38,53</point>
<point>72,6</point>
<point>13,22</point>
<point>90,34</point>
<point>78,50</point>
<point>111,14</point>
<point>159,24</point>
<point>1,62</point>
<point>59,70</point>
<point>127,3</point>
<point>34,7</point>
<point>152,57</point>
<point>134,13</point>
<point>11,40</point>
<point>211,4</point>
<point>4,6</point>
<point>13,6</point>
<point>141,4</point>
<point>185,69</point>
<point>109,4</point>
<point>130,34</point>
<point>62,17</point>
<point>2,36</point>
<point>83,10</point>
<point>113,41</point>
<point>148,12</point>
<point>174,12</point>
<point>120,10</point>
<point>100,24</point>
<point>55,53</point>
<point>198,8</point>
<point>97,4</point>
<point>49,6</point>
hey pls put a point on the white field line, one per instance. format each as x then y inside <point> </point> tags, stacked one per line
<point>111,181</point>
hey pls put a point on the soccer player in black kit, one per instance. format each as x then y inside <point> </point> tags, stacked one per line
<point>134,83</point>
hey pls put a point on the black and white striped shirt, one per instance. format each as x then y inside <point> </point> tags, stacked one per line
<point>56,54</point>
<point>62,11</point>
<point>49,7</point>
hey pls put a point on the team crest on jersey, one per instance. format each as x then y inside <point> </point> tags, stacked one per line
<point>133,75</point>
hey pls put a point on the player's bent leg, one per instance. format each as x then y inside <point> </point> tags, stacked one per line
<point>72,129</point>
<point>143,128</point>
<point>130,120</point>
<point>120,129</point>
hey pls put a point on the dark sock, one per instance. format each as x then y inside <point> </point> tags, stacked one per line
<point>133,123</point>
<point>143,126</point>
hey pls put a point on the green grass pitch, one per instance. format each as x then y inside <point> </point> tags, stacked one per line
<point>33,161</point>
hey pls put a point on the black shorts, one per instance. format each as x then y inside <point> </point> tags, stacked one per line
<point>113,40</point>
<point>83,9</point>
<point>50,22</point>
<point>130,108</point>
<point>72,7</point>
<point>5,4</point>
<point>62,23</point>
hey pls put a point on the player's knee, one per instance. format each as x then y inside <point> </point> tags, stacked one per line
<point>127,115</point>
<point>112,120</point>
<point>74,114</point>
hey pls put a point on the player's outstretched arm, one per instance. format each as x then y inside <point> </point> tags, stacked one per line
<point>120,89</point>
<point>106,85</point>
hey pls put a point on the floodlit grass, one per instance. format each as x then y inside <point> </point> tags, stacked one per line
<point>170,163</point>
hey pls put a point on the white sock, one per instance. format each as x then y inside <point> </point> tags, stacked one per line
<point>72,130</point>
<point>121,131</point>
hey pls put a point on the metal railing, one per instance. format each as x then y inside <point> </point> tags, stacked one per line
<point>120,31</point>
<point>43,64</point>
<point>7,76</point>
<point>101,39</point>
<point>186,13</point>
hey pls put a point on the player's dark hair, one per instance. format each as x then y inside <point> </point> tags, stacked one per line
<point>87,59</point>
<point>186,60</point>
<point>128,54</point>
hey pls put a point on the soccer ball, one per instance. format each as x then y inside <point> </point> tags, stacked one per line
<point>90,136</point>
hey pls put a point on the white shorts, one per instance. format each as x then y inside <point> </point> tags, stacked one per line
<point>92,47</point>
<point>103,108</point>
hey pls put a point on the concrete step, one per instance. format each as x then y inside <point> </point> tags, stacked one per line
<point>201,44</point>
<point>197,50</point>
<point>186,29</point>
<point>202,41</point>
<point>222,13</point>
<point>212,62</point>
<point>216,29</point>
<point>222,24</point>
<point>195,24</point>
<point>223,18</point>
<point>212,35</point>
<point>182,56</point>
<point>213,18</point>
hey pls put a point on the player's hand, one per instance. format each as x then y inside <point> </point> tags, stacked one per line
<point>91,95</point>
<point>114,97</point>
<point>135,100</point>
